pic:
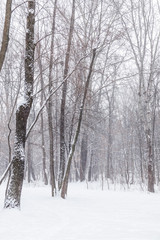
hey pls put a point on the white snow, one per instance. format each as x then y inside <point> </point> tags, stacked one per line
<point>85,215</point>
<point>31,11</point>
<point>21,101</point>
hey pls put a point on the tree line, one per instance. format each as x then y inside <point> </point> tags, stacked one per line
<point>79,93</point>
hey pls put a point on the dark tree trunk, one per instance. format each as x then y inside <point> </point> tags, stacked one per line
<point>90,168</point>
<point>63,101</point>
<point>150,163</point>
<point>13,193</point>
<point>44,153</point>
<point>17,171</point>
<point>150,177</point>
<point>83,159</point>
<point>50,109</point>
<point>66,177</point>
<point>5,38</point>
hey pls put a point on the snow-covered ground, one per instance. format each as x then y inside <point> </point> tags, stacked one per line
<point>86,215</point>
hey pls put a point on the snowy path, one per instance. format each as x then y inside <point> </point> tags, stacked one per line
<point>85,215</point>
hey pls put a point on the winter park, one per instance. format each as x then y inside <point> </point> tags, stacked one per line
<point>79,120</point>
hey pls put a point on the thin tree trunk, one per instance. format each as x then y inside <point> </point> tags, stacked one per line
<point>29,152</point>
<point>31,174</point>
<point>5,172</point>
<point>63,101</point>
<point>150,163</point>
<point>150,133</point>
<point>66,177</point>
<point>50,109</point>
<point>43,152</point>
<point>5,38</point>
<point>83,159</point>
<point>90,167</point>
<point>42,121</point>
<point>53,91</point>
<point>29,158</point>
<point>13,193</point>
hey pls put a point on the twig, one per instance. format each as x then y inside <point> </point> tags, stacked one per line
<point>5,173</point>
<point>53,92</point>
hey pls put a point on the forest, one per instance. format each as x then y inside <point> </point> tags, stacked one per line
<point>79,90</point>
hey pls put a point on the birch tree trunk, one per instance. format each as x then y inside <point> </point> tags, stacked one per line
<point>13,193</point>
<point>5,38</point>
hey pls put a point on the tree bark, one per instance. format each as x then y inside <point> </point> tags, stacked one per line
<point>90,167</point>
<point>43,152</point>
<point>66,177</point>
<point>83,159</point>
<point>13,193</point>
<point>63,101</point>
<point>5,38</point>
<point>50,109</point>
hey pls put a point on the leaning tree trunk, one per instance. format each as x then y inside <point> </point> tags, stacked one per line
<point>66,177</point>
<point>63,101</point>
<point>13,193</point>
<point>5,38</point>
